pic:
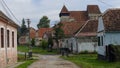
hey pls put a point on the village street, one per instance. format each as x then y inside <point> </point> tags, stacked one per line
<point>52,61</point>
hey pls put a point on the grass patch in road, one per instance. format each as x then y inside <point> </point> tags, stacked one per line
<point>26,64</point>
<point>37,50</point>
<point>90,61</point>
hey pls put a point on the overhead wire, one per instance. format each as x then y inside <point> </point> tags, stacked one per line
<point>4,3</point>
<point>105,3</point>
<point>3,6</point>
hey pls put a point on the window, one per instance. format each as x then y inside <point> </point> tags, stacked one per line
<point>8,38</point>
<point>2,38</point>
<point>101,40</point>
<point>98,41</point>
<point>12,39</point>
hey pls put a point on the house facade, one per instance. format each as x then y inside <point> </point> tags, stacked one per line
<point>76,25</point>
<point>24,39</point>
<point>87,37</point>
<point>8,41</point>
<point>41,34</point>
<point>108,31</point>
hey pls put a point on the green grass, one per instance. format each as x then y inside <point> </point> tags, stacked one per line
<point>90,61</point>
<point>21,58</point>
<point>26,64</point>
<point>38,50</point>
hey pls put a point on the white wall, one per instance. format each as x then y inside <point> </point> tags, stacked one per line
<point>11,52</point>
<point>112,38</point>
<point>100,24</point>
<point>109,38</point>
<point>87,46</point>
<point>72,41</point>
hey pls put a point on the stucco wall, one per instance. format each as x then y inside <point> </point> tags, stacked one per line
<point>8,53</point>
<point>112,38</point>
<point>108,38</point>
<point>87,46</point>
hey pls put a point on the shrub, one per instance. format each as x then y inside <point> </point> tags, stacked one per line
<point>84,52</point>
<point>116,50</point>
<point>44,44</point>
<point>33,42</point>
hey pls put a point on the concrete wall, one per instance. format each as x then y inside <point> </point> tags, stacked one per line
<point>100,25</point>
<point>23,40</point>
<point>80,45</point>
<point>93,16</point>
<point>87,44</point>
<point>64,18</point>
<point>8,56</point>
<point>112,38</point>
<point>70,43</point>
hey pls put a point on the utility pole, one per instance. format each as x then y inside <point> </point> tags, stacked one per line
<point>29,43</point>
<point>28,22</point>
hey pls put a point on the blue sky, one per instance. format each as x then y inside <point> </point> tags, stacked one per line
<point>35,9</point>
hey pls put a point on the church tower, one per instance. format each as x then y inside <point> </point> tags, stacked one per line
<point>64,14</point>
<point>93,12</point>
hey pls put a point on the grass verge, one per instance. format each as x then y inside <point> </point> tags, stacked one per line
<point>37,50</point>
<point>26,64</point>
<point>91,61</point>
<point>21,58</point>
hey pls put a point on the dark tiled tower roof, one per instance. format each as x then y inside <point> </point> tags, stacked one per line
<point>64,10</point>
<point>93,9</point>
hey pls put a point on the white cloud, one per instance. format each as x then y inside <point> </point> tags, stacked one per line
<point>35,9</point>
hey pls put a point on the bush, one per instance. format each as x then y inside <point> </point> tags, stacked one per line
<point>44,44</point>
<point>116,51</point>
<point>33,42</point>
<point>86,52</point>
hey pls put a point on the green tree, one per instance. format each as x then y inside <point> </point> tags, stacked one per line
<point>44,44</point>
<point>59,33</point>
<point>23,28</point>
<point>50,43</point>
<point>44,22</point>
<point>33,42</point>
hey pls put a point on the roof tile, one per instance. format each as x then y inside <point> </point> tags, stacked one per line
<point>93,9</point>
<point>41,31</point>
<point>111,19</point>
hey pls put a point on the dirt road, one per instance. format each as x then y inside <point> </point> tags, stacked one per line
<point>52,61</point>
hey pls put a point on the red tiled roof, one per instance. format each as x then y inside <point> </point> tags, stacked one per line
<point>111,19</point>
<point>93,9</point>
<point>41,31</point>
<point>79,15</point>
<point>90,29</point>
<point>64,10</point>
<point>70,28</point>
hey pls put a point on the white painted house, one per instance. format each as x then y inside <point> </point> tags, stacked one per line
<point>87,37</point>
<point>80,28</point>
<point>8,41</point>
<point>108,31</point>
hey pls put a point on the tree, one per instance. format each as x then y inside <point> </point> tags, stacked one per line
<point>23,28</point>
<point>44,44</point>
<point>50,43</point>
<point>44,22</point>
<point>59,33</point>
<point>33,42</point>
